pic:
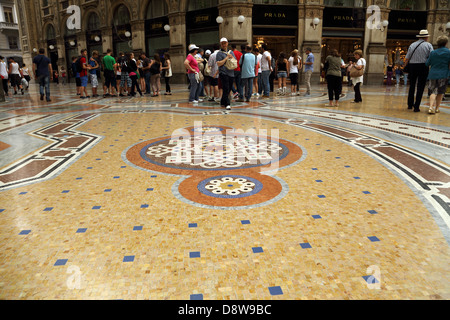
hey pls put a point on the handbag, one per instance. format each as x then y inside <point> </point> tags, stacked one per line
<point>355,73</point>
<point>231,63</point>
<point>406,67</point>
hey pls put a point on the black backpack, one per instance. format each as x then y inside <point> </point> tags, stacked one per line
<point>78,65</point>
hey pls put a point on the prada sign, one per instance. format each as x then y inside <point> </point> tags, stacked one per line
<point>275,15</point>
<point>407,20</point>
<point>343,18</point>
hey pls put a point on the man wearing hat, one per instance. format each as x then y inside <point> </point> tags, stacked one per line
<point>416,58</point>
<point>226,76</point>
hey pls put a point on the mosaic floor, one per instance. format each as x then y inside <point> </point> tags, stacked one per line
<point>281,198</point>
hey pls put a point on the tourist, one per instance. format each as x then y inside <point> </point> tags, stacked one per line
<point>309,67</point>
<point>76,75</point>
<point>109,85</point>
<point>26,75</point>
<point>131,66</point>
<point>4,75</point>
<point>43,73</point>
<point>214,74</point>
<point>15,76</point>
<point>247,63</point>
<point>226,75</point>
<point>146,73</point>
<point>357,81</point>
<point>389,74</point>
<point>439,62</point>
<point>294,65</point>
<point>266,69</point>
<point>334,77</point>
<point>125,80</point>
<point>93,73</point>
<point>281,68</point>
<point>167,72</point>
<point>238,91</point>
<point>155,71</point>
<point>84,74</point>
<point>192,72</point>
<point>416,57</point>
<point>258,73</point>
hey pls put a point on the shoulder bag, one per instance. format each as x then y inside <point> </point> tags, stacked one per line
<point>406,67</point>
<point>231,63</point>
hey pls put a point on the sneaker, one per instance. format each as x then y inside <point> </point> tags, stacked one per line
<point>194,101</point>
<point>22,91</point>
<point>228,107</point>
<point>42,97</point>
<point>211,100</point>
<point>200,100</point>
<point>235,95</point>
<point>240,100</point>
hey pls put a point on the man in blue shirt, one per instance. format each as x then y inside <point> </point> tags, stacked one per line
<point>248,63</point>
<point>309,66</point>
<point>43,72</point>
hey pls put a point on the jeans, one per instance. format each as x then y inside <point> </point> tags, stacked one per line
<point>247,83</point>
<point>260,85</point>
<point>147,76</point>
<point>357,89</point>
<point>194,91</point>
<point>239,85</point>
<point>227,83</point>
<point>265,82</point>
<point>44,82</point>
<point>167,80</point>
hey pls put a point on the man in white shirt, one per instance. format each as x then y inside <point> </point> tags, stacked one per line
<point>214,74</point>
<point>266,69</point>
<point>4,75</point>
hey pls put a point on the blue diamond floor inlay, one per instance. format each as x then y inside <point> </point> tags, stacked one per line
<point>194,254</point>
<point>144,205</point>
<point>96,207</point>
<point>257,250</point>
<point>48,209</point>
<point>305,245</point>
<point>198,296</point>
<point>372,211</point>
<point>275,291</point>
<point>23,193</point>
<point>149,189</point>
<point>373,238</point>
<point>319,181</point>
<point>366,192</point>
<point>23,232</point>
<point>192,225</point>
<point>137,228</point>
<point>81,230</point>
<point>65,191</point>
<point>316,216</point>
<point>128,259</point>
<point>60,262</point>
<point>370,279</point>
<point>107,190</point>
<point>321,196</point>
<point>245,221</point>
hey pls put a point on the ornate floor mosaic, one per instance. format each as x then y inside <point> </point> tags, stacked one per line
<point>281,198</point>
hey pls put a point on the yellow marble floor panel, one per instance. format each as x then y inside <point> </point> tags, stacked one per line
<point>411,255</point>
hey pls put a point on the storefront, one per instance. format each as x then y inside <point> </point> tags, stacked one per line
<point>343,30</point>
<point>52,46</point>
<point>202,28</point>
<point>94,35</point>
<point>157,40</point>
<point>276,26</point>
<point>71,49</point>
<point>404,25</point>
<point>122,30</point>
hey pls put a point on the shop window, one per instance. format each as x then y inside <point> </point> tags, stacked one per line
<point>283,2</point>
<point>50,32</point>
<point>122,16</point>
<point>413,5</point>
<point>201,4</point>
<point>93,22</point>
<point>13,44</point>
<point>345,3</point>
<point>156,9</point>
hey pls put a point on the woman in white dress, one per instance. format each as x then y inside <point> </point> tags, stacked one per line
<point>357,81</point>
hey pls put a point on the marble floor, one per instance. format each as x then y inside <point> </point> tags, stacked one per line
<point>277,199</point>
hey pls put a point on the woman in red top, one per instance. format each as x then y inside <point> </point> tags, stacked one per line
<point>192,70</point>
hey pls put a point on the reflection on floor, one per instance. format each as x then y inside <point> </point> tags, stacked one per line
<point>280,198</point>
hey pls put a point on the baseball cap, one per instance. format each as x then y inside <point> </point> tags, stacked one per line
<point>208,52</point>
<point>224,40</point>
<point>192,47</point>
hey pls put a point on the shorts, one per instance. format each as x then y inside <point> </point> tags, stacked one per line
<point>125,78</point>
<point>78,81</point>
<point>118,77</point>
<point>84,81</point>
<point>438,86</point>
<point>214,81</point>
<point>282,74</point>
<point>15,80</point>
<point>94,80</point>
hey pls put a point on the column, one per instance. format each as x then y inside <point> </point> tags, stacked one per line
<point>235,31</point>
<point>138,35</point>
<point>178,50</point>
<point>107,39</point>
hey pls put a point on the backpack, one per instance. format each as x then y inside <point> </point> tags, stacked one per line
<point>78,65</point>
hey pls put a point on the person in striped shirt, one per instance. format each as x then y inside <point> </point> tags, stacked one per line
<point>417,56</point>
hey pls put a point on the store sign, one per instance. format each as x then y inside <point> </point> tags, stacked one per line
<point>343,18</point>
<point>200,19</point>
<point>154,27</point>
<point>275,15</point>
<point>407,20</point>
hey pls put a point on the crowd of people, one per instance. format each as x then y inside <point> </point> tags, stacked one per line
<point>225,74</point>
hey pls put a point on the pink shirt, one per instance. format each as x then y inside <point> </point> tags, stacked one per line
<point>193,63</point>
